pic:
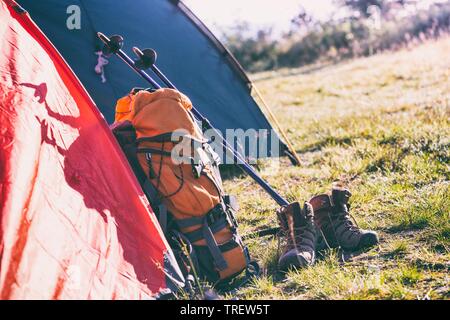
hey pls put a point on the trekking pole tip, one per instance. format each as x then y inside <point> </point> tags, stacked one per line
<point>138,52</point>
<point>102,37</point>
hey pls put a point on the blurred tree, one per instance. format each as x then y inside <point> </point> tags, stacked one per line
<point>365,8</point>
<point>301,24</point>
<point>302,20</point>
<point>254,51</point>
<point>361,7</point>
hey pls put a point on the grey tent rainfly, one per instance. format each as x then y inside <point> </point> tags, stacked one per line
<point>188,52</point>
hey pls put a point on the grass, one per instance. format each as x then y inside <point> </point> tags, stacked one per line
<point>382,126</point>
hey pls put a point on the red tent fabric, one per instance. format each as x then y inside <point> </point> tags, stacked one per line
<point>74,223</point>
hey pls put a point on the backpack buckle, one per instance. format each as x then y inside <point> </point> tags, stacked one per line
<point>196,168</point>
<point>151,172</point>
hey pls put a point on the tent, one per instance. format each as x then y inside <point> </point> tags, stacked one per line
<point>188,53</point>
<point>74,222</point>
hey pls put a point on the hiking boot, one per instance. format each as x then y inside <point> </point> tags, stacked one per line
<point>297,225</point>
<point>332,218</point>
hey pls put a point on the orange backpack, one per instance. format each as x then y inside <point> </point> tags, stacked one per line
<point>182,180</point>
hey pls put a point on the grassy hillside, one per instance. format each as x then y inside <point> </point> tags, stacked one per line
<point>381,125</point>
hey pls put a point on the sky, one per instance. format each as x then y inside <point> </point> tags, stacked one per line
<point>221,15</point>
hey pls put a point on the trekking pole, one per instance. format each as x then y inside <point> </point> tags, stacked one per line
<point>114,45</point>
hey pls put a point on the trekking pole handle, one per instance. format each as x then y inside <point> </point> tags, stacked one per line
<point>123,56</point>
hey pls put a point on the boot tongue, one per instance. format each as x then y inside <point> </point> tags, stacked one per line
<point>291,212</point>
<point>340,197</point>
<point>309,211</point>
<point>320,202</point>
<point>303,218</point>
